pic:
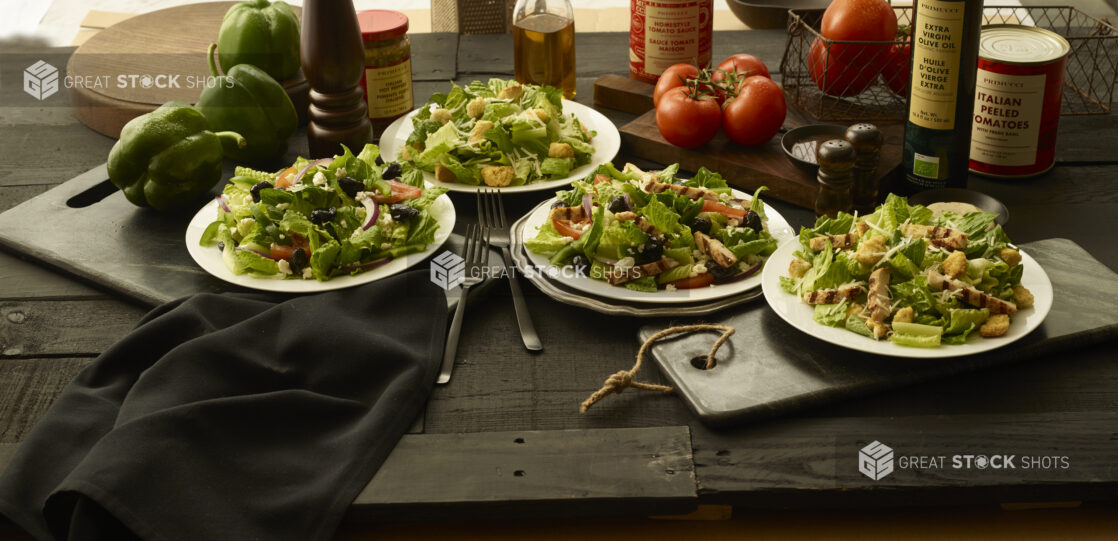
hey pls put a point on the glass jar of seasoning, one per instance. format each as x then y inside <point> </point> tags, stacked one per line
<point>387,80</point>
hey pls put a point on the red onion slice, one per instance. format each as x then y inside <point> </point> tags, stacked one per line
<point>588,207</point>
<point>303,171</point>
<point>367,266</point>
<point>372,212</point>
<point>224,206</point>
<point>259,253</point>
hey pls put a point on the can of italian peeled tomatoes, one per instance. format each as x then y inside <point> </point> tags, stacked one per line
<point>1017,100</point>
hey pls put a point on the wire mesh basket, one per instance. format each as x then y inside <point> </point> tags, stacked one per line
<point>840,80</point>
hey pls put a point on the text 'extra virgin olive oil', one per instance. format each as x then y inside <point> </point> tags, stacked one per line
<point>544,45</point>
<point>941,93</point>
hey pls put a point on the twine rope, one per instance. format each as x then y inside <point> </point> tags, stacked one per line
<point>622,380</point>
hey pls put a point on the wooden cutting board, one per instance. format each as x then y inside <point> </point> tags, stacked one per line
<point>744,167</point>
<point>134,66</point>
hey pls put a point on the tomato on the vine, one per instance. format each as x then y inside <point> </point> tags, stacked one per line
<point>675,76</point>
<point>688,119</point>
<point>859,20</point>
<point>756,114</point>
<point>737,67</point>
<point>835,77</point>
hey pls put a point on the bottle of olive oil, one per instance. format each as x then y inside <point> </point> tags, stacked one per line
<point>941,93</point>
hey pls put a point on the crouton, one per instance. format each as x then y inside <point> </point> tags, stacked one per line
<point>955,265</point>
<point>497,175</point>
<point>798,267</point>
<point>442,174</point>
<point>1010,256</point>
<point>511,92</point>
<point>870,252</point>
<point>476,107</point>
<point>542,115</point>
<point>879,329</point>
<point>406,154</point>
<point>442,116</point>
<point>560,150</point>
<point>996,325</point>
<point>1024,297</point>
<point>585,132</point>
<point>854,309</point>
<point>480,128</point>
<point>904,315</point>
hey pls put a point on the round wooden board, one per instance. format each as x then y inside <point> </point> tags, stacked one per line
<point>136,65</point>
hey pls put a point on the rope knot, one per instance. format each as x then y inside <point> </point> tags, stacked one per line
<point>619,381</point>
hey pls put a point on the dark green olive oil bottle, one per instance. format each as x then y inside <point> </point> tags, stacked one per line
<point>941,93</point>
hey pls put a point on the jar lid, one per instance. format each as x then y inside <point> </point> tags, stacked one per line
<point>381,24</point>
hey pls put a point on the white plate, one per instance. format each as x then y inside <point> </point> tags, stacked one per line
<point>209,257</point>
<point>606,144</point>
<point>778,228</point>
<point>798,314</point>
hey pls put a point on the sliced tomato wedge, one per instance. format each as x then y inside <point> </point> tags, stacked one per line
<point>565,228</point>
<point>400,192</point>
<point>712,206</point>
<point>287,178</point>
<point>694,282</point>
<point>600,178</point>
<point>284,251</point>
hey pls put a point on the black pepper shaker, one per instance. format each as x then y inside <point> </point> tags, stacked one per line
<point>836,163</point>
<point>867,141</point>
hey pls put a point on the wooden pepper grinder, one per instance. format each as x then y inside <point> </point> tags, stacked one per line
<point>836,162</point>
<point>867,141</point>
<point>333,60</point>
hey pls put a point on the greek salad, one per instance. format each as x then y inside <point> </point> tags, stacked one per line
<point>323,218</point>
<point>653,231</point>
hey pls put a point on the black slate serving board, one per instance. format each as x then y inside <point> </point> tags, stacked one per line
<point>770,368</point>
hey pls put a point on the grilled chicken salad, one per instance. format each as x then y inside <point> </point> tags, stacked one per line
<point>652,231</point>
<point>908,275</point>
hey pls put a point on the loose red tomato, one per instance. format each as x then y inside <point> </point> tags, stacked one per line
<point>835,77</point>
<point>896,71</point>
<point>694,282</point>
<point>687,121</point>
<point>400,192</point>
<point>714,206</point>
<point>674,77</point>
<point>859,20</point>
<point>565,228</point>
<point>756,114</point>
<point>286,178</point>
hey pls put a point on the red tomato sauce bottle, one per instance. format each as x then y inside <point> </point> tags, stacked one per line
<point>666,32</point>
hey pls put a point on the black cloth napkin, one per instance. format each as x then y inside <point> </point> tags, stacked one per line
<point>232,417</point>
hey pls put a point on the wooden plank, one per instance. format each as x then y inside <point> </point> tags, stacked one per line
<point>533,473</point>
<point>623,94</point>
<point>71,152</point>
<point>434,57</point>
<point>11,196</point>
<point>23,279</point>
<point>27,388</point>
<point>63,327</point>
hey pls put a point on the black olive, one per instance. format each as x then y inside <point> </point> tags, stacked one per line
<point>618,204</point>
<point>379,160</point>
<point>700,225</point>
<point>321,216</point>
<point>351,186</point>
<point>402,213</point>
<point>651,250</point>
<point>221,246</point>
<point>581,264</point>
<point>722,273</point>
<point>298,260</point>
<point>255,190</point>
<point>558,204</point>
<point>753,221</point>
<point>392,171</point>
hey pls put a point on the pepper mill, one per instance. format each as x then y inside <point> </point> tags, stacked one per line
<point>867,141</point>
<point>836,163</point>
<point>333,60</point>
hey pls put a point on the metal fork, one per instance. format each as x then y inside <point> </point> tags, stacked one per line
<point>491,214</point>
<point>476,257</point>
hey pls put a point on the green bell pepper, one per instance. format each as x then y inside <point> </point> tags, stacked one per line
<point>260,33</point>
<point>167,158</point>
<point>248,101</point>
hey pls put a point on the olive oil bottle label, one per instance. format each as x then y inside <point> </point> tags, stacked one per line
<point>925,166</point>
<point>388,90</point>
<point>936,46</point>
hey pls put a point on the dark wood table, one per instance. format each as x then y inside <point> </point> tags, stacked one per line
<point>505,439</point>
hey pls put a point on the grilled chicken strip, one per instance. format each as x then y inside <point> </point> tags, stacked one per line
<point>714,248</point>
<point>574,214</point>
<point>653,186</point>
<point>837,241</point>
<point>831,296</point>
<point>971,295</point>
<point>942,237</point>
<point>878,297</point>
<point>642,224</point>
<point>619,276</point>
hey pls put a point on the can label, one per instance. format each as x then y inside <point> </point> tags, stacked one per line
<point>667,32</point>
<point>1007,111</point>
<point>935,60</point>
<point>388,90</point>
